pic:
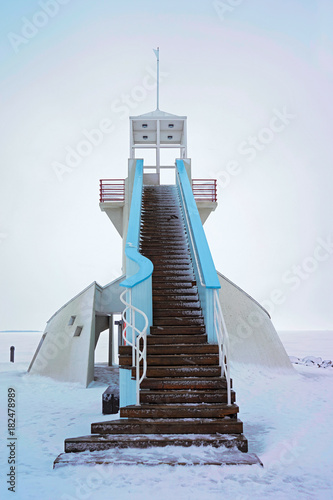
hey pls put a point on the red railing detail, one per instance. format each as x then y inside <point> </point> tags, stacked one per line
<point>111,190</point>
<point>204,189</point>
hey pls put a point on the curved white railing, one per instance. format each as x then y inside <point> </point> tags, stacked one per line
<point>136,335</point>
<point>206,272</point>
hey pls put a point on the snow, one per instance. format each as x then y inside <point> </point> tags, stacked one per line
<point>308,343</point>
<point>287,420</point>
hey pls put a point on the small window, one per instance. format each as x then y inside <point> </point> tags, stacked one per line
<point>71,321</point>
<point>78,331</point>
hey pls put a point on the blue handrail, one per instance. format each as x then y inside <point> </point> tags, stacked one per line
<point>207,267</point>
<point>139,268</point>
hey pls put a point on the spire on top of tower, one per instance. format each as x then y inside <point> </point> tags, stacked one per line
<point>157,54</point>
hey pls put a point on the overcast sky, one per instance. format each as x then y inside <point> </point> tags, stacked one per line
<point>255,80</point>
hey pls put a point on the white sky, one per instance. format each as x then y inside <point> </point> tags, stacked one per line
<point>228,76</point>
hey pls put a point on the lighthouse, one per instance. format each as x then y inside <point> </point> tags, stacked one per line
<point>184,323</point>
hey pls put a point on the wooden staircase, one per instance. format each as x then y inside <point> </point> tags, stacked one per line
<point>183,397</point>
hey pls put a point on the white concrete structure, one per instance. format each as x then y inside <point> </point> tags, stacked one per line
<point>253,338</point>
<point>66,349</point>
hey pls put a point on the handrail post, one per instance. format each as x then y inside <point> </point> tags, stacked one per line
<point>137,369</point>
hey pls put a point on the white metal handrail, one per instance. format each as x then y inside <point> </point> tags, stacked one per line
<point>223,342</point>
<point>220,327</point>
<point>138,354</point>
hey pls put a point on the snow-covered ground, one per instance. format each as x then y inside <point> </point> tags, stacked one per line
<point>287,420</point>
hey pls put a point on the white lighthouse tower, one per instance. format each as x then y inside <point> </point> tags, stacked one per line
<point>234,321</point>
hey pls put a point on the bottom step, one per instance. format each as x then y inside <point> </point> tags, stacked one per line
<point>100,442</point>
<point>156,456</point>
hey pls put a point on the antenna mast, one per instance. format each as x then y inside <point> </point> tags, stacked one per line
<point>157,54</point>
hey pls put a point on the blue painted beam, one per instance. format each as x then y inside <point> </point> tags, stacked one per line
<point>207,266</point>
<point>138,267</point>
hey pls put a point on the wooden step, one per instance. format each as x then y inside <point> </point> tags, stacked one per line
<point>179,321</point>
<point>165,225</point>
<point>159,299</point>
<point>168,339</point>
<point>173,282</point>
<point>150,250</point>
<point>213,410</point>
<point>174,259</point>
<point>160,288</point>
<point>161,208</point>
<point>166,243</point>
<point>158,232</point>
<point>176,349</point>
<point>161,241</point>
<point>163,222</point>
<point>177,273</point>
<point>186,383</point>
<point>167,305</point>
<point>177,234</point>
<point>179,396</point>
<point>97,442</point>
<point>159,205</point>
<point>178,360</point>
<point>173,267</point>
<point>177,330</point>
<point>177,244</point>
<point>169,426</point>
<point>184,294</point>
<point>164,252</point>
<point>160,313</point>
<point>181,371</point>
<point>182,359</point>
<point>125,350</point>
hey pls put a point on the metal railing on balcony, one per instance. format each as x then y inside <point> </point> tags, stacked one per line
<point>204,189</point>
<point>111,190</point>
